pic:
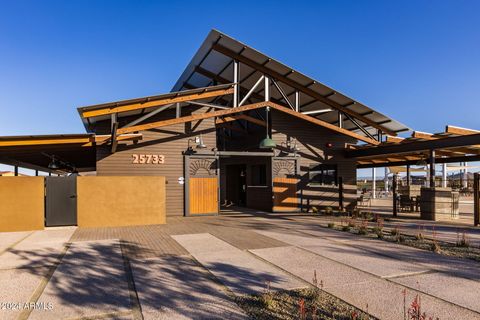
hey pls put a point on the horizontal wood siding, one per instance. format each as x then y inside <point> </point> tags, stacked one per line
<point>312,140</point>
<point>169,141</point>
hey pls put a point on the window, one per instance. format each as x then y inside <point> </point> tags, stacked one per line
<point>259,175</point>
<point>323,174</point>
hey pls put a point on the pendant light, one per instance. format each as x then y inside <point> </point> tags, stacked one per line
<point>268,142</point>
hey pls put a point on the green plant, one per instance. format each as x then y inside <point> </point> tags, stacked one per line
<point>346,228</point>
<point>314,210</point>
<point>400,238</point>
<point>328,211</point>
<point>331,225</point>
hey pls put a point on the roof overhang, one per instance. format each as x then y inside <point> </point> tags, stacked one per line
<point>138,106</point>
<point>36,152</point>
<point>454,145</point>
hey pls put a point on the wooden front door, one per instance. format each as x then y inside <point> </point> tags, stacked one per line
<point>202,186</point>
<point>285,185</point>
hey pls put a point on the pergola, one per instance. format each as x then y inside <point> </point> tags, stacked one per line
<point>455,144</point>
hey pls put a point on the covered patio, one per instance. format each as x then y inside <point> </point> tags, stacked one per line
<point>435,201</point>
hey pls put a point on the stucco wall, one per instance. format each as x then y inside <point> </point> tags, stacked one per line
<point>120,201</point>
<point>21,203</point>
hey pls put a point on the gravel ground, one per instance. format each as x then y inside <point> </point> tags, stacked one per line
<point>317,304</point>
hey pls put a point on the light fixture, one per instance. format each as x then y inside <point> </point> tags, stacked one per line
<point>199,142</point>
<point>268,142</point>
<point>53,164</point>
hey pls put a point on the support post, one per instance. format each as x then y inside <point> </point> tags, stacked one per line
<point>394,187</point>
<point>340,193</point>
<point>297,101</point>
<point>267,88</point>
<point>444,175</point>
<point>36,173</point>
<point>374,183</point>
<point>476,199</point>
<point>340,119</point>
<point>432,168</point>
<point>236,82</point>
<point>465,175</point>
<point>178,110</point>
<point>408,175</point>
<point>15,171</point>
<point>385,180</point>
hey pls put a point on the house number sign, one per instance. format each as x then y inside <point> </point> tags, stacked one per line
<point>148,158</point>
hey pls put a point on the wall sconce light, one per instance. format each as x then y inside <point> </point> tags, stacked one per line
<point>198,141</point>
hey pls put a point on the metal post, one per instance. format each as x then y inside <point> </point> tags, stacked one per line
<point>297,101</point>
<point>340,193</point>
<point>465,175</point>
<point>385,179</point>
<point>340,119</point>
<point>15,171</point>
<point>177,110</point>
<point>432,168</point>
<point>36,173</point>
<point>235,81</point>
<point>408,175</point>
<point>476,199</point>
<point>444,175</point>
<point>374,183</point>
<point>394,187</point>
<point>267,88</point>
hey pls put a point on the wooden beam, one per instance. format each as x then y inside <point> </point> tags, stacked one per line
<point>221,49</point>
<point>460,131</point>
<point>155,103</point>
<point>253,106</point>
<point>324,124</point>
<point>86,141</point>
<point>422,135</point>
<point>391,139</point>
<point>239,117</point>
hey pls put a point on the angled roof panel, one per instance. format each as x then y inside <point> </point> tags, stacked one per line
<point>220,64</point>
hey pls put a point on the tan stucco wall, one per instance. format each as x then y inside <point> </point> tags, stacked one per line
<point>109,201</point>
<point>21,203</point>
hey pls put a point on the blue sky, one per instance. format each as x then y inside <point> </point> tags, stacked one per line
<point>417,61</point>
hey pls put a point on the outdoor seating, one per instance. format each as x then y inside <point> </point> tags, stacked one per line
<point>365,200</point>
<point>407,204</point>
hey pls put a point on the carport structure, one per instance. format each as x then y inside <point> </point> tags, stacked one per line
<point>455,144</point>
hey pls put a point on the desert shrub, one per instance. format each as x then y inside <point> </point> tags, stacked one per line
<point>346,228</point>
<point>395,231</point>
<point>331,225</point>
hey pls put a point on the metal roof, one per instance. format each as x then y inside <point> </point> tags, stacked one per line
<point>208,67</point>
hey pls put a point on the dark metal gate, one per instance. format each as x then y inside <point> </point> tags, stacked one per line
<point>61,201</point>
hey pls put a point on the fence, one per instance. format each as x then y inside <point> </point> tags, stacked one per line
<point>98,202</point>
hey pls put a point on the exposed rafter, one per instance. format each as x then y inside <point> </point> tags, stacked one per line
<point>226,51</point>
<point>254,106</point>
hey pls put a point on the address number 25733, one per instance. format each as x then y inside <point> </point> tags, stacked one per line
<point>148,158</point>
